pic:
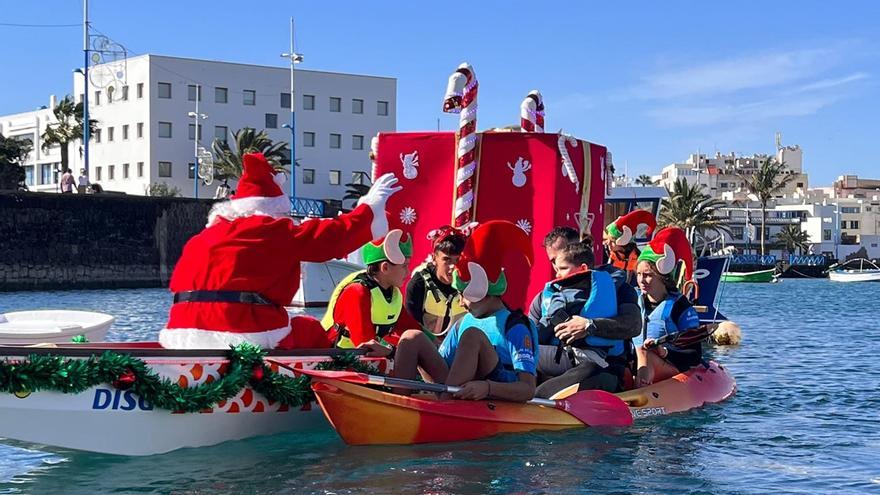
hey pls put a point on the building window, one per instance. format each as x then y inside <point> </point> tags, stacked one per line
<point>335,141</point>
<point>850,209</point>
<point>854,224</point>
<point>110,134</point>
<point>125,93</point>
<point>335,104</point>
<point>140,129</point>
<point>220,132</point>
<point>271,121</point>
<point>358,177</point>
<point>81,96</point>
<point>308,176</point>
<point>308,139</point>
<point>191,170</point>
<point>250,97</point>
<point>736,232</point>
<point>164,169</point>
<point>140,90</point>
<point>164,90</point>
<point>221,95</point>
<point>357,106</point>
<point>335,177</point>
<point>285,100</point>
<point>357,142</point>
<point>843,224</point>
<point>29,175</point>
<point>125,132</point>
<point>111,172</point>
<point>164,129</point>
<point>97,98</point>
<point>46,173</point>
<point>97,173</point>
<point>110,92</point>
<point>382,108</point>
<point>193,91</point>
<point>140,169</point>
<point>192,132</point>
<point>97,135</point>
<point>308,102</point>
<point>826,234</point>
<point>125,169</point>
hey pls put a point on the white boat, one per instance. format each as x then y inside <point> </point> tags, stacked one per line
<point>33,327</point>
<point>317,281</point>
<point>869,273</point>
<point>110,420</point>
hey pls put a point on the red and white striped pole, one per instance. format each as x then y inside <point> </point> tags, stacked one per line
<point>461,98</point>
<point>531,112</point>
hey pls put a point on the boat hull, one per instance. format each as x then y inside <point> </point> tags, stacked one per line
<point>762,276</point>
<point>854,276</point>
<point>32,327</point>
<point>108,420</point>
<point>364,416</point>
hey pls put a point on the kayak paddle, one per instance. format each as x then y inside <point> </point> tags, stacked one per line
<point>591,407</point>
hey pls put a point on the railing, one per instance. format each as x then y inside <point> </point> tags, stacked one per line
<point>307,207</point>
<point>807,260</point>
<point>753,259</point>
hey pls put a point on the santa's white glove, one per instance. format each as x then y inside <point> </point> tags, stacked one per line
<point>376,198</point>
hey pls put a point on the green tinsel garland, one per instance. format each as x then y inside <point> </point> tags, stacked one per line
<point>246,366</point>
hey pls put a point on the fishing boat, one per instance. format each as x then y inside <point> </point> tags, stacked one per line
<point>760,276</point>
<point>31,327</point>
<point>366,416</point>
<point>110,418</point>
<point>847,272</point>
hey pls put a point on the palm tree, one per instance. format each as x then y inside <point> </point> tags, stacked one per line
<point>644,180</point>
<point>12,153</point>
<point>354,191</point>
<point>689,208</point>
<point>68,127</point>
<point>248,140</point>
<point>792,237</point>
<point>768,181</point>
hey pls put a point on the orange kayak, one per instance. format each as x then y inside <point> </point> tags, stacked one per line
<point>365,416</point>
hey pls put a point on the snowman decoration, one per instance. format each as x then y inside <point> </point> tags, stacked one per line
<point>410,162</point>
<point>519,171</point>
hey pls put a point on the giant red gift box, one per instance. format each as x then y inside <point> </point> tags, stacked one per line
<point>520,178</point>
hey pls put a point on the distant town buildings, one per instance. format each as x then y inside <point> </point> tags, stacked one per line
<point>145,135</point>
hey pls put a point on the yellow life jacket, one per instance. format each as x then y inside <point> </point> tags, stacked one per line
<point>383,313</point>
<point>440,309</point>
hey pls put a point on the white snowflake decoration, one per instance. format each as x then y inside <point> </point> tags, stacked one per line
<point>525,225</point>
<point>408,215</point>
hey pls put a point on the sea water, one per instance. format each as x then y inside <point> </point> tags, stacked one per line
<point>805,419</point>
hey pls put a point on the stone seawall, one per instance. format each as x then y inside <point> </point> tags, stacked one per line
<point>72,241</point>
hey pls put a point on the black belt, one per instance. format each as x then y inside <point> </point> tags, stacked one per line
<point>222,296</point>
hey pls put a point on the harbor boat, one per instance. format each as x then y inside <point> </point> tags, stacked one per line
<point>31,327</point>
<point>867,271</point>
<point>806,266</point>
<point>317,281</point>
<point>760,276</point>
<point>366,416</point>
<point>109,417</point>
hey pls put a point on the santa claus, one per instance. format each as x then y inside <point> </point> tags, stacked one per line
<point>235,277</point>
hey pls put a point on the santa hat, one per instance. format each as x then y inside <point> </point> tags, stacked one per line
<point>668,250</point>
<point>479,272</point>
<point>258,192</point>
<point>624,228</point>
<point>395,248</point>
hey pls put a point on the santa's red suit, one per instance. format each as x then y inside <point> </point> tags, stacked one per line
<point>235,277</point>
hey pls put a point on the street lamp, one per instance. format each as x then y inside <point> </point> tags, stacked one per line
<point>85,102</point>
<point>294,58</point>
<point>196,116</point>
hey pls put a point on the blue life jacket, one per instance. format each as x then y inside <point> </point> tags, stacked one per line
<point>601,303</point>
<point>659,322</point>
<point>495,327</point>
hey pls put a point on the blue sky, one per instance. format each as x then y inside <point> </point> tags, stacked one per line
<point>654,81</point>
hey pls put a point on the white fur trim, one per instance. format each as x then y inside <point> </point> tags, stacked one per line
<point>275,207</point>
<point>194,338</point>
<point>280,179</point>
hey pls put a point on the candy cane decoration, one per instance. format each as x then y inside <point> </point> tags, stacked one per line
<point>531,112</point>
<point>461,98</point>
<point>567,166</point>
<point>374,153</point>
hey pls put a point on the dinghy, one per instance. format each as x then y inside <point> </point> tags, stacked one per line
<point>848,272</point>
<point>34,327</point>
<point>317,281</point>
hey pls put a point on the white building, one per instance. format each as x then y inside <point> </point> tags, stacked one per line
<point>41,168</point>
<point>146,137</point>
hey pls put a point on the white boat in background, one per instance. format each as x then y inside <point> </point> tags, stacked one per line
<point>847,273</point>
<point>55,325</point>
<point>317,281</point>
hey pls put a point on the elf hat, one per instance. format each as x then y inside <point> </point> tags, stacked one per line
<point>623,229</point>
<point>668,250</point>
<point>395,248</point>
<point>479,271</point>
